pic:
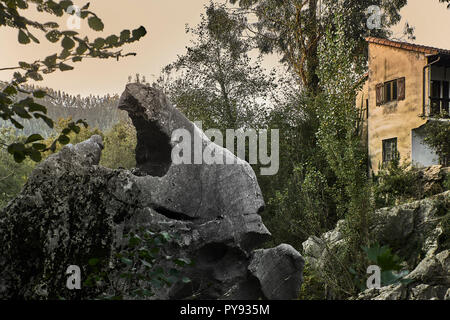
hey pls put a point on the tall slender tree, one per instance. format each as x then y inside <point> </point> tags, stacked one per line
<point>295,28</point>
<point>216,80</point>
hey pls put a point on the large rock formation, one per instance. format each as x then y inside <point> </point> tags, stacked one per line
<point>418,232</point>
<point>72,210</point>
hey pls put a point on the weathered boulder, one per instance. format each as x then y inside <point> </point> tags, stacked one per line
<point>415,230</point>
<point>316,249</point>
<point>432,179</point>
<point>418,232</point>
<point>430,280</point>
<point>275,273</point>
<point>72,210</point>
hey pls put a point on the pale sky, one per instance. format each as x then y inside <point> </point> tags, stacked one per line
<point>165,22</point>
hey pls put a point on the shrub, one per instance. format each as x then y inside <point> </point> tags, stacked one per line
<point>446,183</point>
<point>136,274</point>
<point>313,287</point>
<point>13,175</point>
<point>396,184</point>
<point>389,263</point>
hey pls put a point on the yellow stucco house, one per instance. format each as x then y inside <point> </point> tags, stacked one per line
<point>407,84</point>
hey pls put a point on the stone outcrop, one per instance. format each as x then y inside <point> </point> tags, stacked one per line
<point>274,272</point>
<point>418,232</point>
<point>432,179</point>
<point>430,280</point>
<point>71,210</point>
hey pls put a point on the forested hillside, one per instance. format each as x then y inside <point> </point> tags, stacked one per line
<point>99,111</point>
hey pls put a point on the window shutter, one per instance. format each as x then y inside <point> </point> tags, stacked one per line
<point>401,89</point>
<point>379,90</point>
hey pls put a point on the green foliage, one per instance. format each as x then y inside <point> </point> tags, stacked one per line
<point>383,257</point>
<point>98,111</point>
<point>446,183</point>
<point>396,184</point>
<point>74,49</point>
<point>296,29</point>
<point>13,175</point>
<point>66,130</point>
<point>136,275</point>
<point>339,133</point>
<point>298,198</point>
<point>339,140</point>
<point>305,201</point>
<point>119,151</point>
<point>216,81</point>
<point>313,287</point>
<point>438,137</point>
<point>389,263</point>
<point>120,144</point>
<point>444,238</point>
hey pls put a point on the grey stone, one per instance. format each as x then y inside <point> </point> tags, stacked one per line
<point>277,270</point>
<point>71,209</point>
<point>414,231</point>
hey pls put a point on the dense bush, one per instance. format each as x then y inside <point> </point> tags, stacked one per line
<point>438,137</point>
<point>395,184</point>
<point>120,144</point>
<point>13,175</point>
<point>134,273</point>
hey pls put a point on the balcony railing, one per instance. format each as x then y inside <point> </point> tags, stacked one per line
<point>439,106</point>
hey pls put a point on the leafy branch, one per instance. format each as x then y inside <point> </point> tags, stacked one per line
<point>75,48</point>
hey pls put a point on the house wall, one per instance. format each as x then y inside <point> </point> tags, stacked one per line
<point>394,119</point>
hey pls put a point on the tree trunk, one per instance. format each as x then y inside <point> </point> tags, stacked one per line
<point>312,59</point>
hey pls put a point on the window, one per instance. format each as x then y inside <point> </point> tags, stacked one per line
<point>435,89</point>
<point>390,152</point>
<point>390,91</point>
<point>439,97</point>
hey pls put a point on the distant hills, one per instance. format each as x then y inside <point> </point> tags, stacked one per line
<point>99,111</point>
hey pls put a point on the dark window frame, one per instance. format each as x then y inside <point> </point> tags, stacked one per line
<point>391,91</point>
<point>389,150</point>
<point>439,97</point>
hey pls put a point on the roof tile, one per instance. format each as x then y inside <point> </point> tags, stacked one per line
<point>407,46</point>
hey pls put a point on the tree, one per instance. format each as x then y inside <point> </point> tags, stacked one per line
<point>74,137</point>
<point>216,81</point>
<point>75,48</point>
<point>295,29</point>
<point>13,175</point>
<point>120,145</point>
<point>98,111</point>
<point>446,1</point>
<point>437,136</point>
